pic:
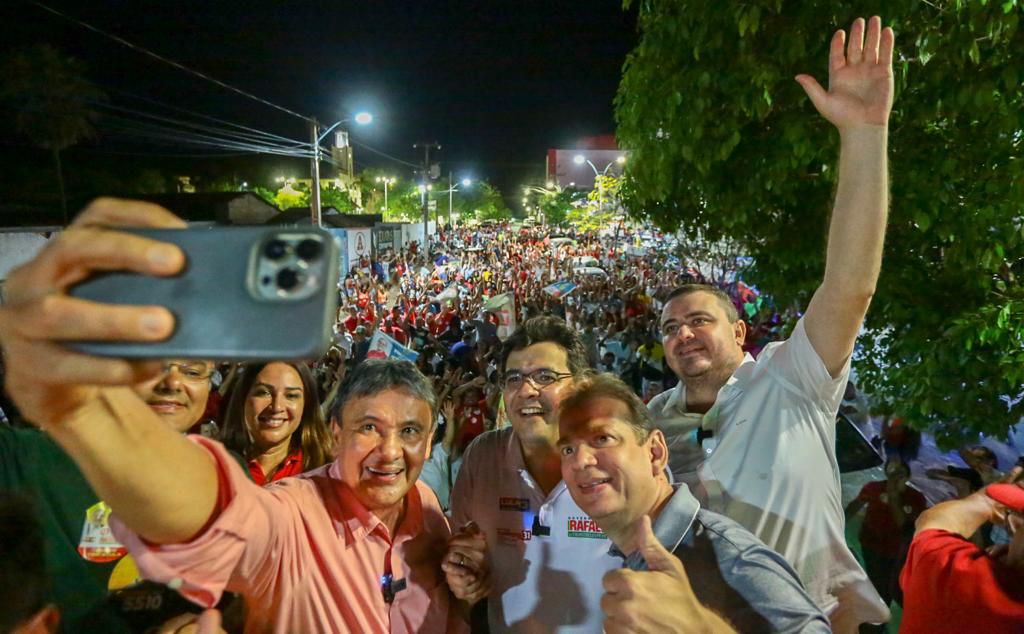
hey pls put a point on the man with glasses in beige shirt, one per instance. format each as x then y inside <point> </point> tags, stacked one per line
<point>531,552</point>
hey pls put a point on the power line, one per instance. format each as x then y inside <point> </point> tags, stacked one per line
<point>210,79</point>
<point>208,155</point>
<point>168,132</point>
<point>385,154</point>
<point>156,102</point>
<point>158,132</point>
<point>170,62</point>
<point>227,134</point>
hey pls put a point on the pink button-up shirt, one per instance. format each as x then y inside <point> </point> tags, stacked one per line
<point>308,557</point>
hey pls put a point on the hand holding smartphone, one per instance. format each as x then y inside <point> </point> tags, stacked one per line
<point>245,293</point>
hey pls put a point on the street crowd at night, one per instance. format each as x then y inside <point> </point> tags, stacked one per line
<point>513,428</point>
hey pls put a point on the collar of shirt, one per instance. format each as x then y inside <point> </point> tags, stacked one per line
<point>676,401</point>
<point>356,522</point>
<point>671,527</point>
<point>291,466</point>
<point>514,458</point>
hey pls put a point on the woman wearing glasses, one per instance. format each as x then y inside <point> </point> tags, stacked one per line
<point>273,419</point>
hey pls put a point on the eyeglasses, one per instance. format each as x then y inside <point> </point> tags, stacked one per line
<point>539,379</point>
<point>189,372</point>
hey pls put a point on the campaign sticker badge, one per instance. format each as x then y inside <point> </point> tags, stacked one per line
<point>97,543</point>
<point>125,575</point>
<point>520,505</point>
<point>511,537</point>
<point>584,527</point>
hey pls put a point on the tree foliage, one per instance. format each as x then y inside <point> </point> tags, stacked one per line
<point>331,196</point>
<point>52,100</point>
<point>602,205</point>
<point>483,201</point>
<point>559,206</point>
<point>266,194</point>
<point>291,195</point>
<point>724,144</point>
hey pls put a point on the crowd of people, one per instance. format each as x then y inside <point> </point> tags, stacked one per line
<point>589,439</point>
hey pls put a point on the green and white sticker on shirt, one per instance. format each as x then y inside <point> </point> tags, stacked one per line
<point>584,527</point>
<point>97,542</point>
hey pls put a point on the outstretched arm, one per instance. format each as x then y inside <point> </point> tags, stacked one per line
<point>160,484</point>
<point>963,517</point>
<point>857,102</point>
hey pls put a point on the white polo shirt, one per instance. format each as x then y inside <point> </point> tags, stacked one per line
<point>541,582</point>
<point>771,466</point>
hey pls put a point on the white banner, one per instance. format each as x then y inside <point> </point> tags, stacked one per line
<point>384,347</point>
<point>504,308</point>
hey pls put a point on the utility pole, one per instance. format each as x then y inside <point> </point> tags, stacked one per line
<point>314,193</point>
<point>426,147</point>
<point>451,194</point>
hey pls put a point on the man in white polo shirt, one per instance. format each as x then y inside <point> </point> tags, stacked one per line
<point>756,439</point>
<point>546,557</point>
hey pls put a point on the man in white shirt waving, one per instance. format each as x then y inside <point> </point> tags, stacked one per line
<point>757,438</point>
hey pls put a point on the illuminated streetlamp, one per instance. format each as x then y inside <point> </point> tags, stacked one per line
<point>550,190</point>
<point>387,181</point>
<point>466,182</point>
<point>579,159</point>
<point>362,118</point>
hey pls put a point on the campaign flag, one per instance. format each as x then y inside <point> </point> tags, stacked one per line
<point>384,347</point>
<point>560,289</point>
<point>504,307</point>
<point>450,293</point>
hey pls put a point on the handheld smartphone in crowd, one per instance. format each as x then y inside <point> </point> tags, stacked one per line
<point>245,293</point>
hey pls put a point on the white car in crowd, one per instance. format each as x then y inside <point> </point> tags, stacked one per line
<point>585,261</point>
<point>591,271</point>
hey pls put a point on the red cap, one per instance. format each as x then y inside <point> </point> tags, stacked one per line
<point>1009,495</point>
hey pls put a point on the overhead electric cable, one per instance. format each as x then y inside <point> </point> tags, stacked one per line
<point>223,132</point>
<point>179,66</point>
<point>200,115</point>
<point>172,135</point>
<point>385,154</point>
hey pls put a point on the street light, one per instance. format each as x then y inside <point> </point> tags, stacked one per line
<point>362,118</point>
<point>579,159</point>
<point>466,182</point>
<point>550,190</point>
<point>387,181</point>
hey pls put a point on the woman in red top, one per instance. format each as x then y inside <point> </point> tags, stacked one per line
<point>274,420</point>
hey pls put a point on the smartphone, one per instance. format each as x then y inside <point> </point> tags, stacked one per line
<point>244,294</point>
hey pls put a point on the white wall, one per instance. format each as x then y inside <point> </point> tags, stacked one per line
<point>17,248</point>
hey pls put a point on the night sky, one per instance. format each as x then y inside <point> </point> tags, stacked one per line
<point>496,83</point>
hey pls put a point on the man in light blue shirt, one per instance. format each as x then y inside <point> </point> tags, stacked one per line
<point>613,463</point>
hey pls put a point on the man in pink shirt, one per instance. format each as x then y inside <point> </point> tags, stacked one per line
<point>352,547</point>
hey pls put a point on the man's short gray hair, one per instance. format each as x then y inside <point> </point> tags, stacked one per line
<point>374,376</point>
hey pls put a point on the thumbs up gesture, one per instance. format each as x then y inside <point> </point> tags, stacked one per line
<point>659,599</point>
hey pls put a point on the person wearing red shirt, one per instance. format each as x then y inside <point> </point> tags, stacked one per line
<point>392,327</point>
<point>892,508</point>
<point>274,420</point>
<point>951,585</point>
<point>352,320</point>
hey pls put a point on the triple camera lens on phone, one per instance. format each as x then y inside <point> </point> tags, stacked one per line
<point>290,265</point>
